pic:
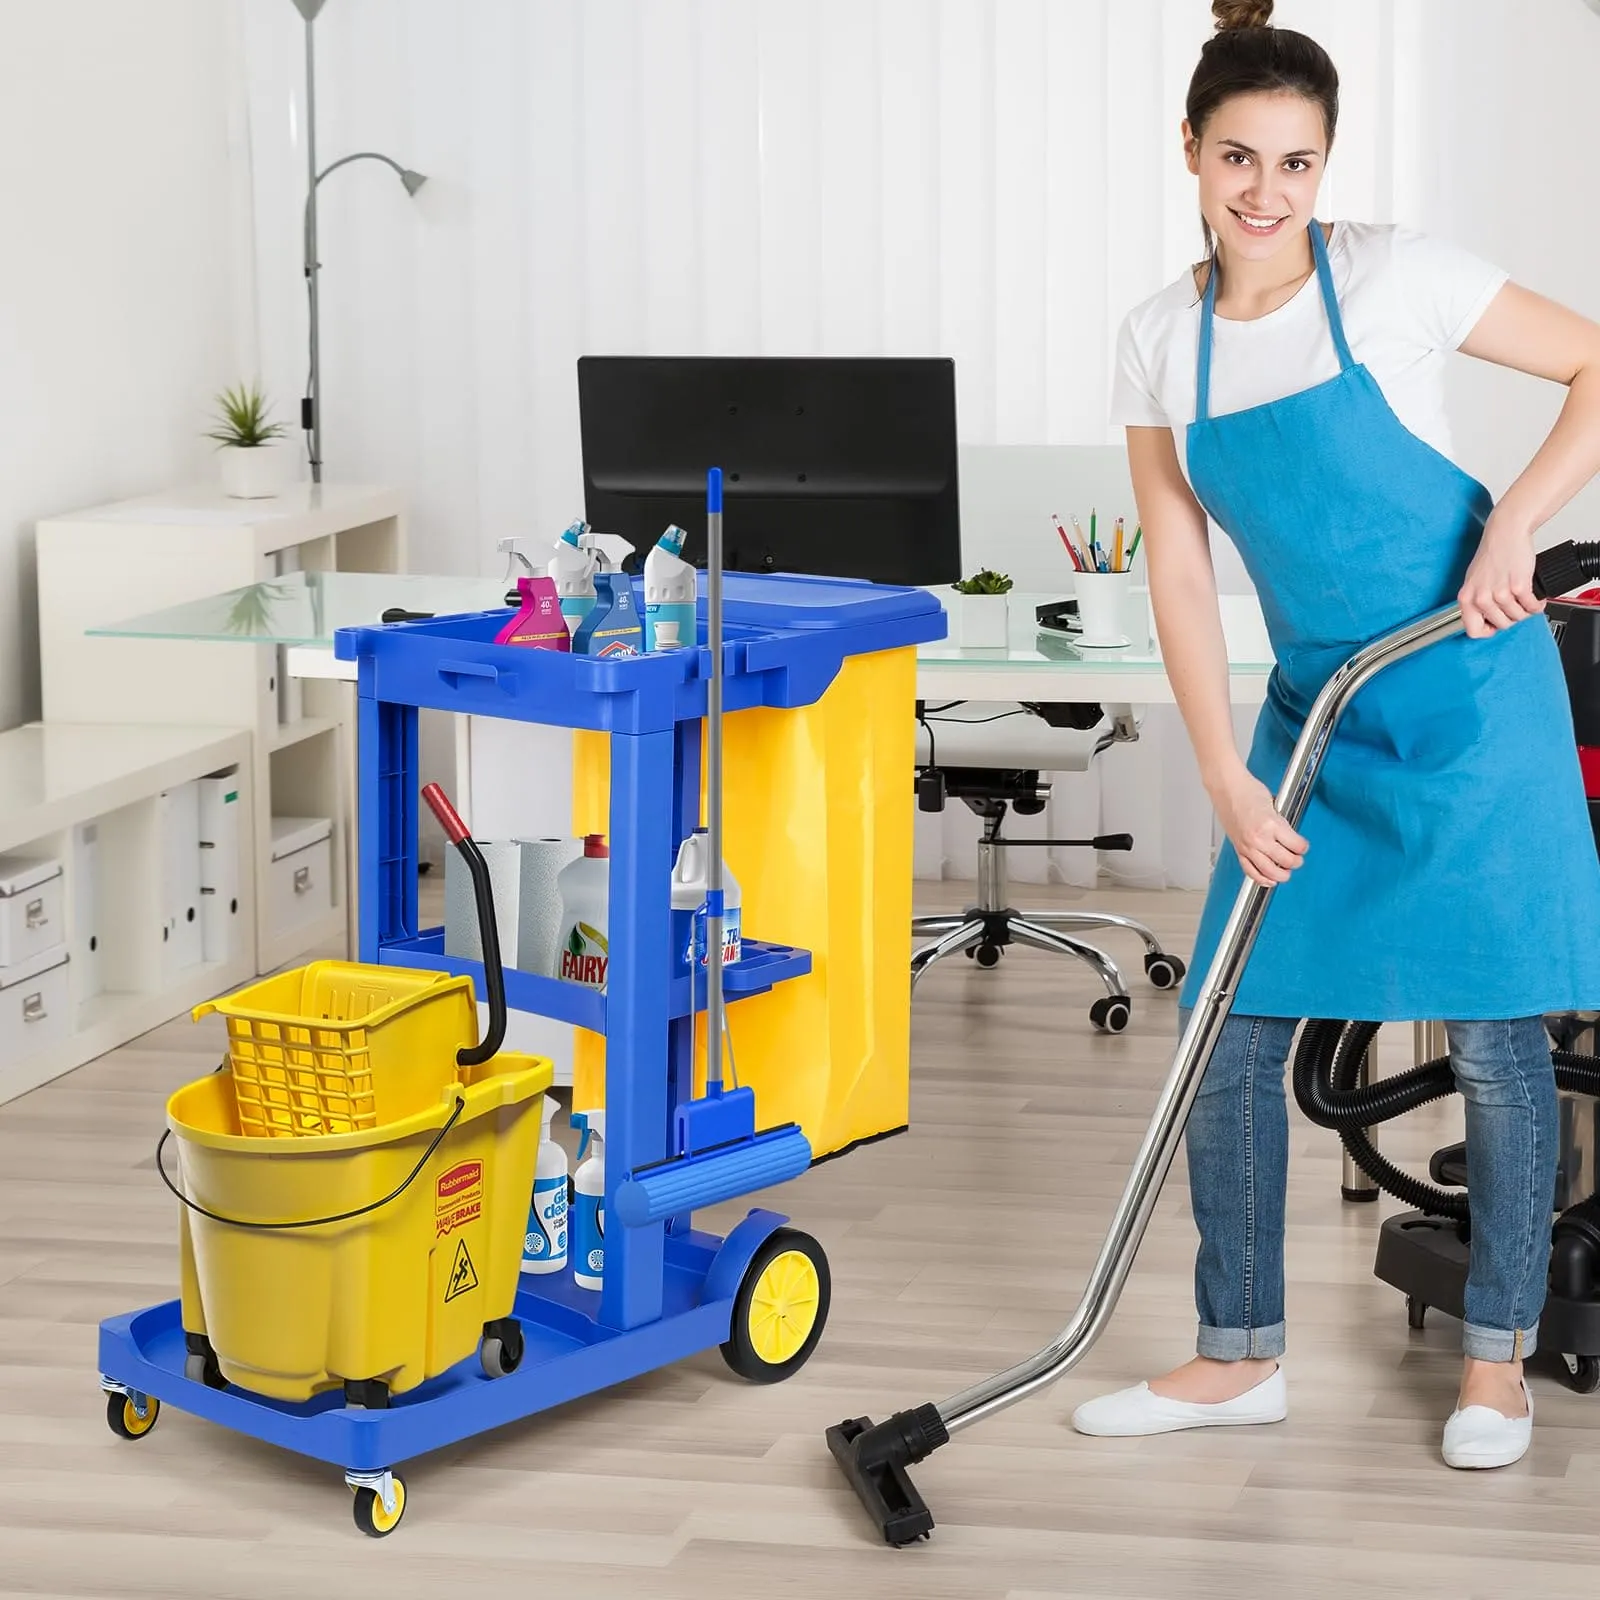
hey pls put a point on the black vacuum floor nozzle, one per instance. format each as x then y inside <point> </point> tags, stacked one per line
<point>874,1459</point>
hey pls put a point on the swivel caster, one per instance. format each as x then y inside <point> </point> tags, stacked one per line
<point>200,1363</point>
<point>1111,1013</point>
<point>380,1502</point>
<point>129,1415</point>
<point>986,955</point>
<point>1416,1312</point>
<point>501,1348</point>
<point>1582,1373</point>
<point>1164,971</point>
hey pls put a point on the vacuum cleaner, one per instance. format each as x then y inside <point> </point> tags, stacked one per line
<point>876,1457</point>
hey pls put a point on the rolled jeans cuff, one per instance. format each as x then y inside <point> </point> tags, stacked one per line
<point>1243,1344</point>
<point>1497,1344</point>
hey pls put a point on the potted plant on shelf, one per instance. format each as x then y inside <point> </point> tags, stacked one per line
<point>247,444</point>
<point>983,614</point>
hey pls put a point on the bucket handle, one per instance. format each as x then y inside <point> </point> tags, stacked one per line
<point>314,1222</point>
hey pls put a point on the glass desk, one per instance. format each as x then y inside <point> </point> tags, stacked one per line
<point>1040,664</point>
<point>305,608</point>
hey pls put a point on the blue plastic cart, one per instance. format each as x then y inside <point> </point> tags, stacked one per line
<point>670,1290</point>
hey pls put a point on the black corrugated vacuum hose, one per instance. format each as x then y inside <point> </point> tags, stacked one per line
<point>1325,1069</point>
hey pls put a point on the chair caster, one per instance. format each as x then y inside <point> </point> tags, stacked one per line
<point>986,955</point>
<point>1111,1013</point>
<point>1164,971</point>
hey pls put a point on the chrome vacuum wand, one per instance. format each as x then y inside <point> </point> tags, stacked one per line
<point>874,1457</point>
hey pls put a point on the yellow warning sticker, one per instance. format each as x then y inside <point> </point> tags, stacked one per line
<point>463,1276</point>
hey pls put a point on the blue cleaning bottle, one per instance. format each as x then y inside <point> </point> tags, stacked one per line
<point>613,626</point>
<point>669,595</point>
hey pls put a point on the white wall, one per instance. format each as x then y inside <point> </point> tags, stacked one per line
<point>117,290</point>
<point>1494,149</point>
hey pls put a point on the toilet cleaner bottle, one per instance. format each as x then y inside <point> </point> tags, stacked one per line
<point>573,567</point>
<point>544,1247</point>
<point>589,1204</point>
<point>669,595</point>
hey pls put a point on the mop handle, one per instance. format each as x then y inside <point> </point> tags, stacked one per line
<point>714,782</point>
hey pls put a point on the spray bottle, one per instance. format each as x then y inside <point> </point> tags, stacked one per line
<point>669,595</point>
<point>589,1218</point>
<point>573,567</point>
<point>544,1248</point>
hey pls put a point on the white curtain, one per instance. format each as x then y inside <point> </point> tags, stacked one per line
<point>993,180</point>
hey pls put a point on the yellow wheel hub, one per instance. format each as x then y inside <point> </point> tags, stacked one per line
<point>136,1425</point>
<point>784,1306</point>
<point>383,1520</point>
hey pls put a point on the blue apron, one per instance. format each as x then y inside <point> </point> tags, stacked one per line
<point>1452,871</point>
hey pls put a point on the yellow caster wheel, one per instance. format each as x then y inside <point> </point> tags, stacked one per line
<point>372,1517</point>
<point>779,1312</point>
<point>124,1419</point>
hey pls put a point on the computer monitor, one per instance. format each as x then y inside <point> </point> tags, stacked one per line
<point>831,466</point>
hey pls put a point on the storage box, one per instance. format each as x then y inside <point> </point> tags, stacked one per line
<point>31,918</point>
<point>33,1005</point>
<point>300,879</point>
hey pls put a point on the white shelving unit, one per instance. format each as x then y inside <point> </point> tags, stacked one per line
<point>63,785</point>
<point>113,562</point>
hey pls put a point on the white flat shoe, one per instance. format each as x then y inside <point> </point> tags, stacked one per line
<point>1130,1413</point>
<point>1481,1437</point>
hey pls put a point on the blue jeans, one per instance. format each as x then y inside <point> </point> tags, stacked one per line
<point>1238,1148</point>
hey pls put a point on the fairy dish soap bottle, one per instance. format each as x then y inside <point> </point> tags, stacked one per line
<point>544,1247</point>
<point>589,1206</point>
<point>583,954</point>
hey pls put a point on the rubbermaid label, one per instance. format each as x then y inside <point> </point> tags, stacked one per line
<point>460,1198</point>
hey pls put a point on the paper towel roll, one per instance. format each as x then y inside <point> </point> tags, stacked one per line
<point>461,936</point>
<point>539,901</point>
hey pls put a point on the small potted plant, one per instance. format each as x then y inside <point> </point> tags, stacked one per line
<point>983,617</point>
<point>247,444</point>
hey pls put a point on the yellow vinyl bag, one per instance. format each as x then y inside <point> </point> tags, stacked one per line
<point>818,815</point>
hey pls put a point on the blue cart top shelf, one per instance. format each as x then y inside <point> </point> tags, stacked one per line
<point>784,641</point>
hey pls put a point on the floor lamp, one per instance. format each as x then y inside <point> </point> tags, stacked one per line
<point>311,404</point>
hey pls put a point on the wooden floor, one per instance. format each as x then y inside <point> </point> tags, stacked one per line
<point>956,1248</point>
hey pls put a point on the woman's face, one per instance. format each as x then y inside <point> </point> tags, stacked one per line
<point>1259,164</point>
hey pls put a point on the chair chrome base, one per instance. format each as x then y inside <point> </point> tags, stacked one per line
<point>984,930</point>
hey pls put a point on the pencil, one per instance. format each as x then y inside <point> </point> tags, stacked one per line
<point>1133,549</point>
<point>1116,549</point>
<point>1072,555</point>
<point>1094,543</point>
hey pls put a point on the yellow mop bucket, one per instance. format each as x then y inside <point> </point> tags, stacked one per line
<point>377,1255</point>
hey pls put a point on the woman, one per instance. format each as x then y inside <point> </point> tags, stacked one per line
<point>1291,387</point>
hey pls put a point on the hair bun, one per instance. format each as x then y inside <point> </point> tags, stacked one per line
<point>1232,15</point>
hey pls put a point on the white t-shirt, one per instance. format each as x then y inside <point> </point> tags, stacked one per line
<point>1406,300</point>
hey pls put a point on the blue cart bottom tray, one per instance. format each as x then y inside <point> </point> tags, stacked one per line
<point>568,1354</point>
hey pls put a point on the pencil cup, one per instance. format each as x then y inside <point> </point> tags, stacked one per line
<point>1103,601</point>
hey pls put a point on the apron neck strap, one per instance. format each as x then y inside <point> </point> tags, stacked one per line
<point>1208,306</point>
<point>1330,300</point>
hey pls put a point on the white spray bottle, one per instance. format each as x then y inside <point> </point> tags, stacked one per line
<point>589,1210</point>
<point>669,595</point>
<point>573,567</point>
<point>544,1247</point>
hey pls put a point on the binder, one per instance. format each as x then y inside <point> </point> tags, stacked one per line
<point>182,941</point>
<point>221,869</point>
<point>86,905</point>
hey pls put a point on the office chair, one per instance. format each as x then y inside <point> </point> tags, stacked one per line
<point>991,758</point>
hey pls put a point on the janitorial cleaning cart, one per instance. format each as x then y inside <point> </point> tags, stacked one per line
<point>355,1178</point>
